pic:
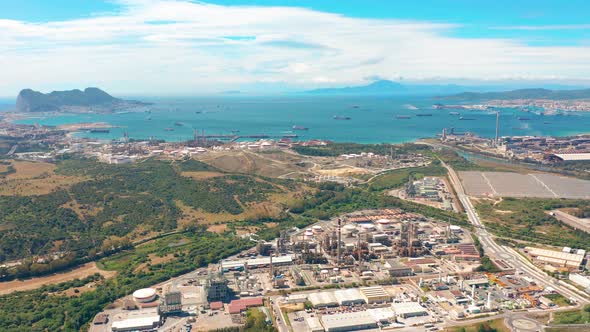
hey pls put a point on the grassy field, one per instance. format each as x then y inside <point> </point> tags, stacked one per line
<point>398,178</point>
<point>581,316</point>
<point>558,299</point>
<point>493,325</point>
<point>525,219</point>
<point>568,329</point>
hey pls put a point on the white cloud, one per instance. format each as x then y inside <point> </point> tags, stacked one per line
<point>155,46</point>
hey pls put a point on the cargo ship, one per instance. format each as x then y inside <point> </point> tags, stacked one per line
<point>169,129</point>
<point>466,119</point>
<point>178,124</point>
<point>403,117</point>
<point>522,118</point>
<point>454,113</point>
<point>299,128</point>
<point>338,117</point>
<point>424,114</point>
<point>100,130</point>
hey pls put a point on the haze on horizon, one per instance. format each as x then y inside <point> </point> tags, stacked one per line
<point>172,47</point>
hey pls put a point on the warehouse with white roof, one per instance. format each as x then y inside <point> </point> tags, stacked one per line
<point>136,324</point>
<point>352,321</point>
<point>556,258</point>
<point>375,294</point>
<point>408,309</point>
<point>323,299</point>
<point>349,296</point>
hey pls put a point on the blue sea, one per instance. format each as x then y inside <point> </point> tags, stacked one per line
<point>372,119</point>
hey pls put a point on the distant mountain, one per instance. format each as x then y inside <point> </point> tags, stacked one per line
<point>33,101</point>
<point>385,87</point>
<point>375,88</point>
<point>522,94</point>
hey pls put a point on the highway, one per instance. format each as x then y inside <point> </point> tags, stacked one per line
<point>509,255</point>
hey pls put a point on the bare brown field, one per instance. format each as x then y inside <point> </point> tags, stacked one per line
<point>32,178</point>
<point>217,228</point>
<point>266,164</point>
<point>265,209</point>
<point>345,171</point>
<point>202,175</point>
<point>77,291</point>
<point>3,168</point>
<point>34,283</point>
<point>28,169</point>
<point>246,230</point>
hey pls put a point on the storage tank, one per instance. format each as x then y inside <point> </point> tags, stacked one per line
<point>144,295</point>
<point>368,227</point>
<point>317,229</point>
<point>384,223</point>
<point>348,230</point>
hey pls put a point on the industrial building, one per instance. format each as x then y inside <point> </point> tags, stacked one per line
<point>323,299</point>
<point>375,294</point>
<point>557,258</point>
<point>314,324</point>
<point>348,297</point>
<point>398,269</point>
<point>572,156</point>
<point>237,306</point>
<point>217,289</point>
<point>352,321</point>
<point>254,263</point>
<point>580,280</point>
<point>136,324</point>
<point>408,309</point>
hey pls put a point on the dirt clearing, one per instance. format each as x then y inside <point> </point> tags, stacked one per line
<point>32,178</point>
<point>202,175</point>
<point>34,283</point>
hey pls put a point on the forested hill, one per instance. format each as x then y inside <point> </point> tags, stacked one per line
<point>95,208</point>
<point>521,94</point>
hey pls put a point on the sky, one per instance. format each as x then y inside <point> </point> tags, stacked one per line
<point>182,47</point>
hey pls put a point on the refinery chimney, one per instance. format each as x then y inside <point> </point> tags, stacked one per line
<point>339,240</point>
<point>497,127</point>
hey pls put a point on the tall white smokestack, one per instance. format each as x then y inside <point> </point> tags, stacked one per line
<point>497,127</point>
<point>489,301</point>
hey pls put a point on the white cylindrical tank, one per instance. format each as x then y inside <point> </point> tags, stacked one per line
<point>348,230</point>
<point>384,223</point>
<point>144,295</point>
<point>368,227</point>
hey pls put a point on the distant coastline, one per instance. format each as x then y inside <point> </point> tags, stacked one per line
<point>373,119</point>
